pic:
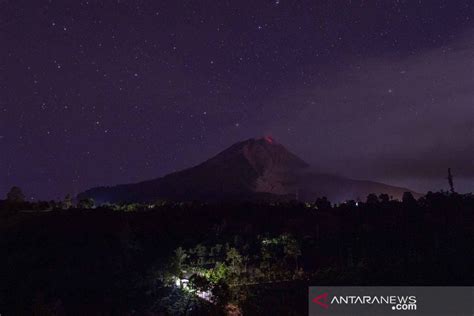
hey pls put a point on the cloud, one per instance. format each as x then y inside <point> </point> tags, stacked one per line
<point>395,117</point>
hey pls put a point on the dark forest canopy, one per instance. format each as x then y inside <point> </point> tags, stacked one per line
<point>165,257</point>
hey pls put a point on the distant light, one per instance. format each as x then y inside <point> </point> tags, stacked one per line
<point>205,295</point>
<point>181,283</point>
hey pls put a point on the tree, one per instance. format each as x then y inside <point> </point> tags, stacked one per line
<point>86,203</point>
<point>219,272</point>
<point>221,293</point>
<point>67,203</point>
<point>199,283</point>
<point>292,249</point>
<point>408,198</point>
<point>201,253</point>
<point>234,259</point>
<point>450,181</point>
<point>322,203</point>
<point>177,262</point>
<point>372,199</point>
<point>15,195</point>
<point>384,198</point>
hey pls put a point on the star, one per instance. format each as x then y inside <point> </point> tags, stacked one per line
<point>240,70</point>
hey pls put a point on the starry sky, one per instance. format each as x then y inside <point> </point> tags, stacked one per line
<point>107,92</point>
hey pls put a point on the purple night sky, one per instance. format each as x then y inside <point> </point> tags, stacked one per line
<point>107,92</point>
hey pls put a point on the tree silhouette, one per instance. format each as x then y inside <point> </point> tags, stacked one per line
<point>450,181</point>
<point>322,203</point>
<point>86,203</point>
<point>234,259</point>
<point>384,198</point>
<point>67,203</point>
<point>257,267</point>
<point>408,198</point>
<point>372,199</point>
<point>15,195</point>
<point>292,249</point>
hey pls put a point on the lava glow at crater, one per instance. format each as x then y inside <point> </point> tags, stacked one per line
<point>269,139</point>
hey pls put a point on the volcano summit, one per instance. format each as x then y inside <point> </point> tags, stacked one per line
<point>248,170</point>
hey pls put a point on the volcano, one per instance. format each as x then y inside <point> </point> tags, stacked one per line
<point>254,169</point>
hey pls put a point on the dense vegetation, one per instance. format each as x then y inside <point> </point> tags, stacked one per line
<point>194,258</point>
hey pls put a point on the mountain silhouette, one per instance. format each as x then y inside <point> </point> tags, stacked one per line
<point>254,169</point>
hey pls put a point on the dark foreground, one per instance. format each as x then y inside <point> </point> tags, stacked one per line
<point>189,258</point>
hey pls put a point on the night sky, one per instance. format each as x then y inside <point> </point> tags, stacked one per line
<point>107,92</point>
